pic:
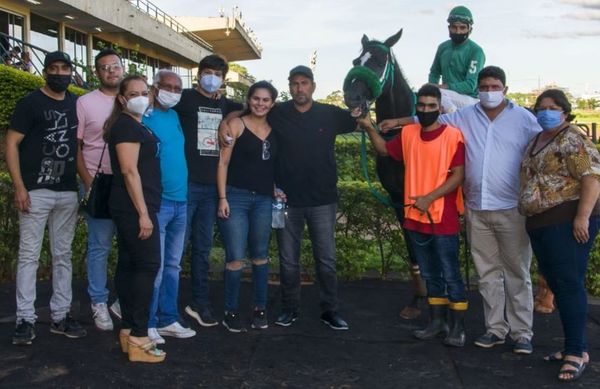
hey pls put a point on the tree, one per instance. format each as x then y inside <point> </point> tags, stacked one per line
<point>241,70</point>
<point>523,99</point>
<point>335,98</point>
<point>587,104</point>
<point>284,96</point>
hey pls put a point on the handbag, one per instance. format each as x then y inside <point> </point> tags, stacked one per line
<point>95,201</point>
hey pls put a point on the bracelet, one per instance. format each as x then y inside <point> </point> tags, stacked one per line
<point>222,198</point>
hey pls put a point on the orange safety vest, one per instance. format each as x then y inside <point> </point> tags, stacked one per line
<point>427,166</point>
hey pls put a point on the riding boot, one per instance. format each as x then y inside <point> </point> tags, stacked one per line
<point>456,337</point>
<point>437,323</point>
<point>412,310</point>
<point>544,299</point>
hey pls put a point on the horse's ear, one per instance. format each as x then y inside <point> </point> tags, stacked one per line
<point>365,40</point>
<point>391,41</point>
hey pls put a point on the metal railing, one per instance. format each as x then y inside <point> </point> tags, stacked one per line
<point>37,55</point>
<point>591,129</point>
<point>160,16</point>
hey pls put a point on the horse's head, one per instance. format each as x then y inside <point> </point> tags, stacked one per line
<point>372,74</point>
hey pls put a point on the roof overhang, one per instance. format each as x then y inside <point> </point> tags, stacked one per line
<point>120,22</point>
<point>229,36</point>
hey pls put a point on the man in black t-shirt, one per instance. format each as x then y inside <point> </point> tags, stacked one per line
<point>41,150</point>
<point>200,114</point>
<point>306,171</point>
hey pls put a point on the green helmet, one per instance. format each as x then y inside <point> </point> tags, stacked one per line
<point>460,14</point>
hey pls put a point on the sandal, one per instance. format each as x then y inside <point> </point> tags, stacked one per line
<point>554,357</point>
<point>124,341</point>
<point>575,373</point>
<point>145,353</point>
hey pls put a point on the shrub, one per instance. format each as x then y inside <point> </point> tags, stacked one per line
<point>14,84</point>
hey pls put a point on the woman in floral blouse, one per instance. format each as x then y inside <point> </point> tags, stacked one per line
<point>560,184</point>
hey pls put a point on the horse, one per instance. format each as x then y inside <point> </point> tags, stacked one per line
<point>376,77</point>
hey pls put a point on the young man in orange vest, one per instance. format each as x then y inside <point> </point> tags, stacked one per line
<point>434,155</point>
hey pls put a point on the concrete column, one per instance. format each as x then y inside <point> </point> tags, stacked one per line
<point>89,50</point>
<point>61,36</point>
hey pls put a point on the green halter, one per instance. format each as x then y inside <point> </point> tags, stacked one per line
<point>369,77</point>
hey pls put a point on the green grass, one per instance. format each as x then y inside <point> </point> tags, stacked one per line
<point>587,116</point>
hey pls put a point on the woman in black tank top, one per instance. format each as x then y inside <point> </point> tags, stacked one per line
<point>245,182</point>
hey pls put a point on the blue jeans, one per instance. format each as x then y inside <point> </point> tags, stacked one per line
<point>100,238</point>
<point>437,256</point>
<point>563,262</point>
<point>201,218</point>
<point>321,229</point>
<point>172,222</point>
<point>247,230</point>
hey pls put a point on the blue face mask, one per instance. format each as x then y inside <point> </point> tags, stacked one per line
<point>210,83</point>
<point>549,119</point>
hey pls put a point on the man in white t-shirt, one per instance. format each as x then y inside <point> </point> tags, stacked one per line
<point>92,111</point>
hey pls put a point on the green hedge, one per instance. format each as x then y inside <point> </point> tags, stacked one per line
<point>15,84</point>
<point>367,234</point>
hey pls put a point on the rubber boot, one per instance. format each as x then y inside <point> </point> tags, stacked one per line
<point>437,324</point>
<point>544,299</point>
<point>412,310</point>
<point>456,337</point>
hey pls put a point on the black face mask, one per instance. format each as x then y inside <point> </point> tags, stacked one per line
<point>457,39</point>
<point>426,119</point>
<point>58,82</point>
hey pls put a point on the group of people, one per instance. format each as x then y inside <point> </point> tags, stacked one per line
<point>171,182</point>
<point>18,59</point>
<point>530,180</point>
<point>183,160</point>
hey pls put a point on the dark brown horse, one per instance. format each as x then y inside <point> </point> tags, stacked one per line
<point>376,77</point>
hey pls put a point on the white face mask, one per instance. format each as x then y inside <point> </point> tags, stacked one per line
<point>138,105</point>
<point>491,99</point>
<point>167,99</point>
<point>210,83</point>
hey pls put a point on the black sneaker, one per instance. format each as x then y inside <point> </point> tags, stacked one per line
<point>286,319</point>
<point>68,327</point>
<point>203,316</point>
<point>259,320</point>
<point>232,322</point>
<point>333,320</point>
<point>24,333</point>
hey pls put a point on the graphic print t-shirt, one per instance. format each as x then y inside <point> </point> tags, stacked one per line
<point>47,153</point>
<point>200,117</point>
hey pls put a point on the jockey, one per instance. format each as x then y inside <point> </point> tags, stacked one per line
<point>458,61</point>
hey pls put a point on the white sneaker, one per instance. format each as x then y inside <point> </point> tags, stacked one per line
<point>176,330</point>
<point>101,317</point>
<point>155,337</point>
<point>115,309</point>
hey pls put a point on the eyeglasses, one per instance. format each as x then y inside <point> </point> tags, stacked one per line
<point>110,68</point>
<point>169,88</point>
<point>266,154</point>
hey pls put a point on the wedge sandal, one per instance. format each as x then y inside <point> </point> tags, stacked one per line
<point>145,353</point>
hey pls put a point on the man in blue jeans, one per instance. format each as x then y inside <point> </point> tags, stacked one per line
<point>172,216</point>
<point>92,111</point>
<point>200,115</point>
<point>434,156</point>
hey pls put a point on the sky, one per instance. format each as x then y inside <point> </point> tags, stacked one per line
<point>537,42</point>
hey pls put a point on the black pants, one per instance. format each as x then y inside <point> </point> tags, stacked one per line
<point>137,266</point>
